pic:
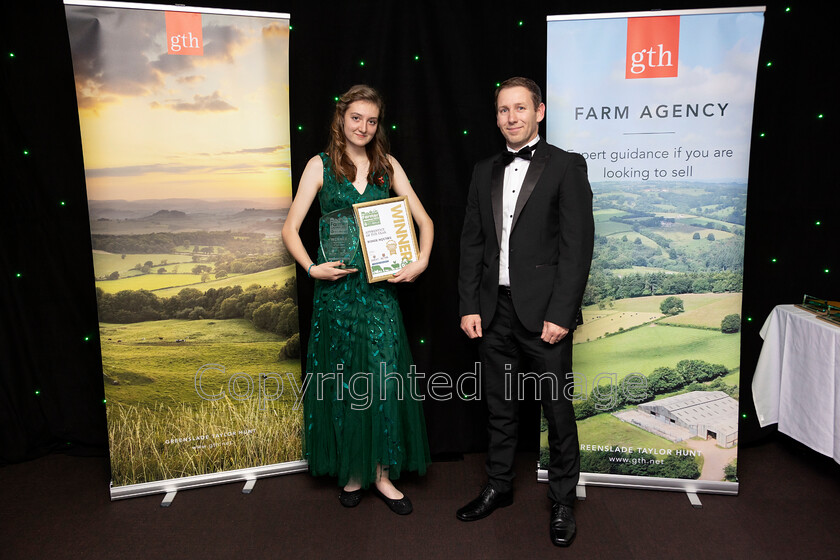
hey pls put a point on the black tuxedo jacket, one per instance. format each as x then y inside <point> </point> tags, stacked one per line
<point>551,240</point>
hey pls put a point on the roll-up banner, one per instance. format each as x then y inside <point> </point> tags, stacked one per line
<point>184,116</point>
<point>660,104</point>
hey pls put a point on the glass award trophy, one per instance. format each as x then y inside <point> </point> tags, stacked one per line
<point>339,235</point>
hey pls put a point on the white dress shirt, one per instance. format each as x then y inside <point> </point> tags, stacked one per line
<point>514,176</point>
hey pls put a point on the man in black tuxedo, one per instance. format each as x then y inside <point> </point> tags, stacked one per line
<point>526,249</point>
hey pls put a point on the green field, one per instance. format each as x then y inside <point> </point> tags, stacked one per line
<point>150,282</point>
<point>644,349</point>
<point>706,312</point>
<point>682,234</point>
<point>640,270</point>
<point>702,221</point>
<point>106,263</point>
<point>717,212</point>
<point>664,208</point>
<point>152,384</point>
<point>605,429</point>
<point>143,363</point>
<point>605,214</point>
<point>265,278</point>
<point>167,285</point>
<point>612,228</point>
<point>734,378</point>
<point>703,310</point>
<point>599,323</point>
<point>631,237</point>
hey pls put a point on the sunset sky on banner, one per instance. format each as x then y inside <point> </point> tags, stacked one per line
<point>158,125</point>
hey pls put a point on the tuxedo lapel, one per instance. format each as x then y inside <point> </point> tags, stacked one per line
<point>535,169</point>
<point>497,183</point>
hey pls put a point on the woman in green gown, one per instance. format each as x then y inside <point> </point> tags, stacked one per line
<point>362,422</point>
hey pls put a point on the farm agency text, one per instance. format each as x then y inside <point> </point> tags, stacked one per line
<point>359,388</point>
<point>662,111</point>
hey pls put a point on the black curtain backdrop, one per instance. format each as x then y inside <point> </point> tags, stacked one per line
<point>51,388</point>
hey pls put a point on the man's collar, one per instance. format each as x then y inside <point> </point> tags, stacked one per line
<point>533,143</point>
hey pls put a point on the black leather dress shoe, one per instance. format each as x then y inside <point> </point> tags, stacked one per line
<point>485,504</point>
<point>562,527</point>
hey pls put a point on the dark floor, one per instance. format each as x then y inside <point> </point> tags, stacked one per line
<point>58,507</point>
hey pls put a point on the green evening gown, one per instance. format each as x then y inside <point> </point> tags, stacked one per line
<point>357,328</point>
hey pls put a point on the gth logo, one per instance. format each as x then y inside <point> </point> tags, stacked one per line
<point>653,47</point>
<point>183,33</point>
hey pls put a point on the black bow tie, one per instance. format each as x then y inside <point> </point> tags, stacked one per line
<point>524,153</point>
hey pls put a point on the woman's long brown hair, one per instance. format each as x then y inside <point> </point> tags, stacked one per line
<point>376,149</point>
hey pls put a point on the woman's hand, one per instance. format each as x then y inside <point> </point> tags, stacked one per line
<point>409,272</point>
<point>330,271</point>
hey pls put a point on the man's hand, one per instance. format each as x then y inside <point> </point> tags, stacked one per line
<point>551,333</point>
<point>471,325</point>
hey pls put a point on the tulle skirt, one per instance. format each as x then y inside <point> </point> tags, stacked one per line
<point>361,406</point>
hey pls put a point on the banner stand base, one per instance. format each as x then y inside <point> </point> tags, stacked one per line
<point>172,486</point>
<point>695,500</point>
<point>580,492</point>
<point>170,496</point>
<point>167,499</point>
<point>690,486</point>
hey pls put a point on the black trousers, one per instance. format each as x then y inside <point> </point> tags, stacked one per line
<point>514,361</point>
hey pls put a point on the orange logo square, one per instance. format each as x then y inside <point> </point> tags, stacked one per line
<point>653,47</point>
<point>183,33</point>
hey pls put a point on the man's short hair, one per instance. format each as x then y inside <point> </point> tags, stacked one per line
<point>530,85</point>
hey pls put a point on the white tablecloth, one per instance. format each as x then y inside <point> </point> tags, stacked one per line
<point>797,378</point>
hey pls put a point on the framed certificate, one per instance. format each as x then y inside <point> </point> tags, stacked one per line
<point>386,233</point>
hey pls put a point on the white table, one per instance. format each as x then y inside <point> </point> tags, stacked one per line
<point>797,378</point>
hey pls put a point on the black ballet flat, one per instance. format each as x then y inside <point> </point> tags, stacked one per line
<point>350,499</point>
<point>400,507</point>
